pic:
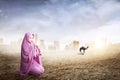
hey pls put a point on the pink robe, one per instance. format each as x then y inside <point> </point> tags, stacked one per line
<point>30,64</point>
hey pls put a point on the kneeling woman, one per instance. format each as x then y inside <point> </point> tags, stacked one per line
<point>30,57</point>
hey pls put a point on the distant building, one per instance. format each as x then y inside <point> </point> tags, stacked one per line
<point>1,41</point>
<point>72,46</point>
<point>67,47</point>
<point>19,41</point>
<point>42,44</point>
<point>56,44</point>
<point>36,38</point>
<point>51,47</point>
<point>13,47</point>
<point>16,43</point>
<point>75,44</point>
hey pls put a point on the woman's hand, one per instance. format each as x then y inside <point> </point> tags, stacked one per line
<point>36,50</point>
<point>35,46</point>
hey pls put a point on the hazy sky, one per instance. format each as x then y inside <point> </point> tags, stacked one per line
<point>63,20</point>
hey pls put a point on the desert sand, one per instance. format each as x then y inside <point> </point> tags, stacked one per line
<point>102,64</point>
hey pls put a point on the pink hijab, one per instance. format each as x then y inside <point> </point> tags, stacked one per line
<point>27,50</point>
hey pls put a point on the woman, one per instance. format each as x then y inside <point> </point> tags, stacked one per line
<point>30,57</point>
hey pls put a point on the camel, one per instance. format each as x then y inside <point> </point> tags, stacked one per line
<point>82,49</point>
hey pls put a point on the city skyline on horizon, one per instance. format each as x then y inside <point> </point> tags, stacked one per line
<point>43,43</point>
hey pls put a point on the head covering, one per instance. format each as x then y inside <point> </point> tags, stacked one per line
<point>27,49</point>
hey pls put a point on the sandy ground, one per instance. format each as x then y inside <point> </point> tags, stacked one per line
<point>67,65</point>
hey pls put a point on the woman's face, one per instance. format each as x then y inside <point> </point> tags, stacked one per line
<point>31,38</point>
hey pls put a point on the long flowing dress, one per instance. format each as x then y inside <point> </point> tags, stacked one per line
<point>30,64</point>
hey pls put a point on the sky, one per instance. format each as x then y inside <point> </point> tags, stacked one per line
<point>63,20</point>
